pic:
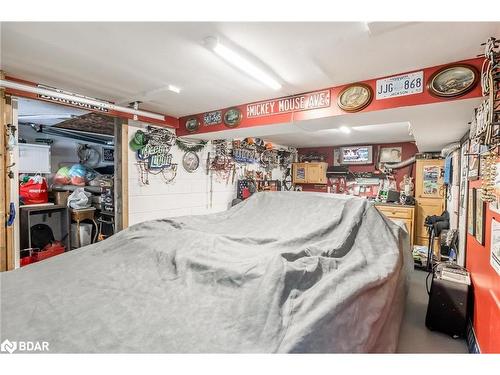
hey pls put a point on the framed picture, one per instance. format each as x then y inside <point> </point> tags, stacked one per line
<point>390,154</point>
<point>453,80</point>
<point>471,211</point>
<point>355,97</point>
<point>480,218</point>
<point>337,159</point>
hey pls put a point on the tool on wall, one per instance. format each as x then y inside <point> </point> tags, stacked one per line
<point>222,164</point>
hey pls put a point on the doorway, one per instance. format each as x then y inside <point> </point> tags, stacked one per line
<point>57,154</point>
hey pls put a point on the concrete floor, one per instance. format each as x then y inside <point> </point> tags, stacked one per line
<point>414,336</point>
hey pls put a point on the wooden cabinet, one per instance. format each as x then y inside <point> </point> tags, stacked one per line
<point>430,195</point>
<point>309,173</point>
<point>400,213</point>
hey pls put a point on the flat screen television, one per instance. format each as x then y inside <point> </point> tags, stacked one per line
<point>356,155</point>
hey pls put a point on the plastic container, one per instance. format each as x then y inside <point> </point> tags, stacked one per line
<point>52,250</point>
<point>85,235</point>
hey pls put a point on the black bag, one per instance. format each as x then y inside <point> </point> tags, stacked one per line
<point>41,236</point>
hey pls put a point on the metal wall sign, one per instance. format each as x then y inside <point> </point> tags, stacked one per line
<point>304,102</point>
<point>401,85</point>
<point>73,103</point>
<point>212,118</point>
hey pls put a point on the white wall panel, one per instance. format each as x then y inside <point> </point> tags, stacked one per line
<point>189,194</point>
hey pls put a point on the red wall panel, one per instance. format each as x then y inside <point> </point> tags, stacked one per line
<point>408,150</point>
<point>486,286</point>
<point>424,97</point>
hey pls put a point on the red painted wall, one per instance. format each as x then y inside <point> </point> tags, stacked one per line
<point>333,110</point>
<point>408,150</point>
<point>486,286</point>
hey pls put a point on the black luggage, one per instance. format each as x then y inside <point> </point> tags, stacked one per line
<point>447,308</point>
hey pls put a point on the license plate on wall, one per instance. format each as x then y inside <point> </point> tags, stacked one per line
<point>402,85</point>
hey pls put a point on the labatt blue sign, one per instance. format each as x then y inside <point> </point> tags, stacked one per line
<point>158,156</point>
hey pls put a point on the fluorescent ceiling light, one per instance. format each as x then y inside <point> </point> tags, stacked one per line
<point>174,89</point>
<point>241,63</point>
<point>345,129</point>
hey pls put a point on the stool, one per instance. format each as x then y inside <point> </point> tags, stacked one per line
<point>106,220</point>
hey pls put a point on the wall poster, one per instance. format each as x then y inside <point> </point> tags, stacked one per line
<point>431,180</point>
<point>495,246</point>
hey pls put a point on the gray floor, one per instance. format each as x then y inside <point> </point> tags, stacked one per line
<point>414,336</point>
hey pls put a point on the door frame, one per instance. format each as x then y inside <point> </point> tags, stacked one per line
<point>9,252</point>
<point>8,190</point>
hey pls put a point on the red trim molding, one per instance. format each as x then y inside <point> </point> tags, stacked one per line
<point>321,105</point>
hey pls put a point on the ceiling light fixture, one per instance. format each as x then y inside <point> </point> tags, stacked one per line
<point>174,89</point>
<point>241,63</point>
<point>345,129</point>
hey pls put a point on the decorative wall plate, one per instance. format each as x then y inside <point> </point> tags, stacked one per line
<point>355,97</point>
<point>192,124</point>
<point>190,161</point>
<point>233,117</point>
<point>453,80</point>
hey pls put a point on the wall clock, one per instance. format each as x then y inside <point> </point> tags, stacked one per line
<point>192,124</point>
<point>190,161</point>
<point>233,117</point>
<point>355,97</point>
<point>453,80</point>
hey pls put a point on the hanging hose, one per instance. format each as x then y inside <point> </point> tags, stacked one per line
<point>401,164</point>
<point>448,149</point>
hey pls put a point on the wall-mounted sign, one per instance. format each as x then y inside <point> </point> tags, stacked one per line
<point>73,103</point>
<point>157,155</point>
<point>402,85</point>
<point>108,155</point>
<point>355,97</point>
<point>190,161</point>
<point>232,117</point>
<point>304,102</point>
<point>192,124</point>
<point>454,80</point>
<point>212,118</point>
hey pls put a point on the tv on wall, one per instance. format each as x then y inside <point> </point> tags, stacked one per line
<point>356,155</point>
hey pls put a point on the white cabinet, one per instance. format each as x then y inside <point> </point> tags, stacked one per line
<point>34,158</point>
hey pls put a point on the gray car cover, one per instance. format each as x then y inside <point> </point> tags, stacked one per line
<point>279,272</point>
